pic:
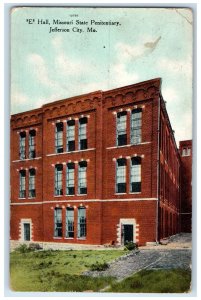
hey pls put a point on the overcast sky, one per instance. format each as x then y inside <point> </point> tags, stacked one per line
<point>149,43</point>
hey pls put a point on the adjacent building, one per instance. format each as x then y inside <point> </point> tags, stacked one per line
<point>100,168</point>
<point>185,149</point>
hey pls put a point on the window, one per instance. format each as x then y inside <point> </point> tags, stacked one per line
<point>136,126</point>
<point>186,151</point>
<point>58,222</point>
<point>58,180</point>
<point>70,222</point>
<point>32,191</point>
<point>82,177</point>
<point>135,176</point>
<point>22,193</point>
<point>121,176</point>
<point>83,133</point>
<point>22,145</point>
<point>26,231</point>
<point>70,179</point>
<point>59,137</point>
<point>121,128</point>
<point>82,222</point>
<point>71,135</point>
<point>32,146</point>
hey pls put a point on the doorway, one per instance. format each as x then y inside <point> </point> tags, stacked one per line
<point>26,231</point>
<point>127,233</point>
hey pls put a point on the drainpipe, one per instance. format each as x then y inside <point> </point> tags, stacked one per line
<point>158,170</point>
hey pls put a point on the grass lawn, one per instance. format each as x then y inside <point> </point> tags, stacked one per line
<point>58,270</point>
<point>155,281</point>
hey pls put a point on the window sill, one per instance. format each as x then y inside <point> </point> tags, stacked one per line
<point>128,145</point>
<point>133,193</point>
<point>31,197</point>
<point>22,198</point>
<point>57,196</point>
<point>57,238</point>
<point>81,239</point>
<point>70,195</point>
<point>26,159</point>
<point>66,238</point>
<point>74,151</point>
<point>120,193</point>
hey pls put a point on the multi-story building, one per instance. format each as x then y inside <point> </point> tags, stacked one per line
<point>96,169</point>
<point>185,149</point>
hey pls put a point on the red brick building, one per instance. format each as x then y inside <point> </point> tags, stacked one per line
<point>95,169</point>
<point>185,149</point>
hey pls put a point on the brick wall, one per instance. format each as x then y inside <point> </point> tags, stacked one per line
<point>107,212</point>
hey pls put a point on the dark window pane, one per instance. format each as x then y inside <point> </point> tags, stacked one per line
<point>71,146</point>
<point>83,190</point>
<point>121,188</point>
<point>59,149</point>
<point>71,191</point>
<point>122,139</point>
<point>136,187</point>
<point>83,144</point>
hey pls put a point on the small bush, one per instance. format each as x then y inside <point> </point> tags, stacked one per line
<point>23,248</point>
<point>131,246</point>
<point>99,266</point>
<point>35,246</point>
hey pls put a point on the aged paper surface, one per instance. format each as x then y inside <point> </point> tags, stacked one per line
<point>104,53</point>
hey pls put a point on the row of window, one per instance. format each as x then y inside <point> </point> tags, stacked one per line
<point>69,231</point>
<point>32,145</point>
<point>70,178</point>
<point>70,135</point>
<point>121,134</point>
<point>135,127</point>
<point>121,178</point>
<point>135,175</point>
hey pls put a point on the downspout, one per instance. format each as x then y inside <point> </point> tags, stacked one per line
<point>158,170</point>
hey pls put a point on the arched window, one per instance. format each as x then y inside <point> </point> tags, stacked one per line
<point>59,137</point>
<point>58,222</point>
<point>82,228</point>
<point>22,190</point>
<point>32,144</point>
<point>135,176</point>
<point>70,135</point>
<point>83,133</point>
<point>70,179</point>
<point>22,145</point>
<point>121,128</point>
<point>32,189</point>
<point>70,222</point>
<point>121,175</point>
<point>58,179</point>
<point>136,126</point>
<point>82,177</point>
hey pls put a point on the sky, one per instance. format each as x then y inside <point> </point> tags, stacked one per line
<point>148,43</point>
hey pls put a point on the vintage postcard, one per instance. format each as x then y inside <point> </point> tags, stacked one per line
<point>101,149</point>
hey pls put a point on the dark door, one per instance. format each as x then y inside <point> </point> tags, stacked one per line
<point>128,233</point>
<point>27,232</point>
